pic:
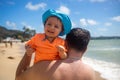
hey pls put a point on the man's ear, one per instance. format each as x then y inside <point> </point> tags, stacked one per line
<point>84,50</point>
<point>67,46</point>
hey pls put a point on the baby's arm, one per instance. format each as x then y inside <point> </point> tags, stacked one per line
<point>62,52</point>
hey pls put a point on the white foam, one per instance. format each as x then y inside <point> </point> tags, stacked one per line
<point>109,71</point>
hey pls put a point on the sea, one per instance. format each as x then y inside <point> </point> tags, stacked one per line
<point>104,57</point>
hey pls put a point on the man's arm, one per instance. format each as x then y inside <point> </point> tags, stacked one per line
<point>23,65</point>
<point>39,71</point>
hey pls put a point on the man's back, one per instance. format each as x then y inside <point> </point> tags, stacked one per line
<point>69,69</point>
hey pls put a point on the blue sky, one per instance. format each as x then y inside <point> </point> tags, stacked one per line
<point>100,17</point>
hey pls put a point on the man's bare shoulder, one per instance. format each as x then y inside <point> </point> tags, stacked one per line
<point>90,73</point>
<point>73,69</point>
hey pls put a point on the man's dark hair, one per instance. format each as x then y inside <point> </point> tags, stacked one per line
<point>78,39</point>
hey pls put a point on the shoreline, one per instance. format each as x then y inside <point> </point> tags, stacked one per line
<point>10,58</point>
<point>98,76</point>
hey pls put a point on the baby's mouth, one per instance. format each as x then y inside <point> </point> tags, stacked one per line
<point>51,32</point>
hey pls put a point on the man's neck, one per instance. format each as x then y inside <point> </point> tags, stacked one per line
<point>74,54</point>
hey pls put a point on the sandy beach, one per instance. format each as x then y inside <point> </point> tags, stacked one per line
<point>10,58</point>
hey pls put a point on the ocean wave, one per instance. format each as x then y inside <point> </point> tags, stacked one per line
<point>104,49</point>
<point>109,71</point>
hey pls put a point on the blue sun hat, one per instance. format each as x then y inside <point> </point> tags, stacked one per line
<point>64,19</point>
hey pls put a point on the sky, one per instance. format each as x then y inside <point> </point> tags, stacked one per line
<point>100,17</point>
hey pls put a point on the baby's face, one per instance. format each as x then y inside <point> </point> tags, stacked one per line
<point>53,27</point>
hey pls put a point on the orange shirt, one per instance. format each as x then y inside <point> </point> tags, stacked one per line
<point>44,50</point>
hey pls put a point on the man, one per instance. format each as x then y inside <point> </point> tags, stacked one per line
<point>71,68</point>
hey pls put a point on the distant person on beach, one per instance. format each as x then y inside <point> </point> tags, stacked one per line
<point>71,68</point>
<point>5,44</point>
<point>47,45</point>
<point>11,44</point>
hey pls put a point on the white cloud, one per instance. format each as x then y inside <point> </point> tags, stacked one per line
<point>102,29</point>
<point>116,18</point>
<point>30,6</point>
<point>11,24</point>
<point>97,0</point>
<point>91,22</point>
<point>26,25</point>
<point>73,24</point>
<point>85,22</point>
<point>64,9</point>
<point>108,24</point>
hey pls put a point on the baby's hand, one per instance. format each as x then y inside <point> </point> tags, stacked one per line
<point>61,49</point>
<point>29,50</point>
<point>62,52</point>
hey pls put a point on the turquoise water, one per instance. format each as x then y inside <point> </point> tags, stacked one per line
<point>104,57</point>
<point>105,50</point>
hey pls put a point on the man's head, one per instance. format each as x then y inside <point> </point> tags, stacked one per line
<point>78,39</point>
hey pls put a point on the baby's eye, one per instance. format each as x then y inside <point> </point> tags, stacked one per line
<point>49,24</point>
<point>56,26</point>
